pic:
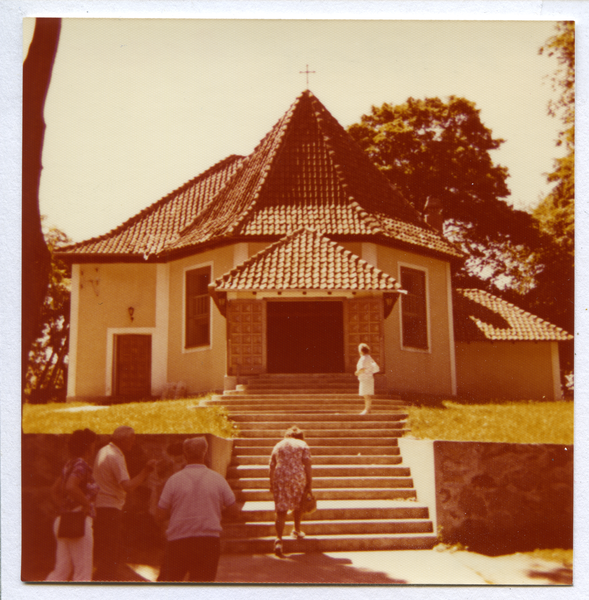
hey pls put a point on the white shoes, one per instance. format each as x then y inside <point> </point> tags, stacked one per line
<point>299,535</point>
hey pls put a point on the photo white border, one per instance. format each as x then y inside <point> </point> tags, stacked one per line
<point>12,12</point>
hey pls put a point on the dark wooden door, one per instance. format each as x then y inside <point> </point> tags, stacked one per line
<point>133,366</point>
<point>305,337</point>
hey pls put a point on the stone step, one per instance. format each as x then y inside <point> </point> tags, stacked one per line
<point>323,414</point>
<point>313,420</point>
<point>263,460</point>
<point>256,495</point>
<point>280,376</point>
<point>313,403</point>
<point>311,433</point>
<point>333,543</point>
<point>266,450</point>
<point>314,428</point>
<point>322,483</point>
<point>317,388</point>
<point>348,392</point>
<point>297,395</point>
<point>341,510</point>
<point>309,381</point>
<point>391,440</point>
<point>234,472</point>
<point>333,527</point>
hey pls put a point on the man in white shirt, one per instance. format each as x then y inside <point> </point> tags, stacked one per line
<point>110,473</point>
<point>193,500</point>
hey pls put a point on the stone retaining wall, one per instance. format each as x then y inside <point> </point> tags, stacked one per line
<point>503,498</point>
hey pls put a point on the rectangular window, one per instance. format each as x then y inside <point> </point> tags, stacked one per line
<point>198,307</point>
<point>414,308</point>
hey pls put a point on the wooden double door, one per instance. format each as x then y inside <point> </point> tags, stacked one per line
<point>307,336</point>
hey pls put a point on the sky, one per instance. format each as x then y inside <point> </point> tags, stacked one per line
<point>136,107</point>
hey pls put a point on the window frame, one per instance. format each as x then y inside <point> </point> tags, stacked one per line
<point>200,347</point>
<point>425,272</point>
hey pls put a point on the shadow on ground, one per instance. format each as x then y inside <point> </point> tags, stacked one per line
<point>312,568</point>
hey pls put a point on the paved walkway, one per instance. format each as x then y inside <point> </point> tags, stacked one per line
<point>389,567</point>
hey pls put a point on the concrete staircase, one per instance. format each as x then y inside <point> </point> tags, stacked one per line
<point>365,494</point>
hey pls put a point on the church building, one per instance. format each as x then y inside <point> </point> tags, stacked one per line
<point>283,262</point>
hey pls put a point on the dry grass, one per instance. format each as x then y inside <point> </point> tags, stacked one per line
<point>514,422</point>
<point>162,416</point>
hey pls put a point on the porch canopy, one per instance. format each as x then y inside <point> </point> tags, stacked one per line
<point>322,301</point>
<point>305,261</point>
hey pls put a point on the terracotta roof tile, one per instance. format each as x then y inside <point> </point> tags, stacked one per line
<point>306,260</point>
<point>158,225</point>
<point>307,171</point>
<point>479,315</point>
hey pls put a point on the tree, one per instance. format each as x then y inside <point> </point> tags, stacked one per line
<point>35,256</point>
<point>433,149</point>
<point>555,215</point>
<point>47,360</point>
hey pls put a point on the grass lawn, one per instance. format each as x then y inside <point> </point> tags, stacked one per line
<point>513,422</point>
<point>162,416</point>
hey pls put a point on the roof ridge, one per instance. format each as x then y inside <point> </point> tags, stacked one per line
<point>356,151</point>
<point>369,219</point>
<point>217,203</point>
<point>281,134</point>
<point>218,166</point>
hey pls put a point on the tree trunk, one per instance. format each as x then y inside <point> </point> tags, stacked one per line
<point>35,255</point>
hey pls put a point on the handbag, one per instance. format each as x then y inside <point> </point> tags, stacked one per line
<point>72,524</point>
<point>308,503</point>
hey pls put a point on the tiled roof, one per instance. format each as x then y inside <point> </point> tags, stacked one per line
<point>306,260</point>
<point>479,315</point>
<point>306,172</point>
<point>155,227</point>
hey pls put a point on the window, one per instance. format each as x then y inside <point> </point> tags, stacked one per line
<point>414,308</point>
<point>198,307</point>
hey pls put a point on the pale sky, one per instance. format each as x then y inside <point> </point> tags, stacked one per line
<point>138,107</point>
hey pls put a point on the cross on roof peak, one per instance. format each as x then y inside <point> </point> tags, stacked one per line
<point>307,72</point>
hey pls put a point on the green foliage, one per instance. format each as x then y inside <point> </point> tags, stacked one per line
<point>555,215</point>
<point>433,149</point>
<point>47,367</point>
<point>514,422</point>
<point>162,416</point>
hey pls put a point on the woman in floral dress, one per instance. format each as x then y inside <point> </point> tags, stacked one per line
<point>290,480</point>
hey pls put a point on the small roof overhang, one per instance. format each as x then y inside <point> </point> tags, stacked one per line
<point>305,261</point>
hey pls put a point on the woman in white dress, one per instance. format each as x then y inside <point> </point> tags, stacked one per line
<point>365,370</point>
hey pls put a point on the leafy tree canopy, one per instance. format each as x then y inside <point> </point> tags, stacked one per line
<point>47,365</point>
<point>555,215</point>
<point>435,149</point>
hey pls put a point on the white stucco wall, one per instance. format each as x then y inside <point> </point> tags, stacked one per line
<point>518,370</point>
